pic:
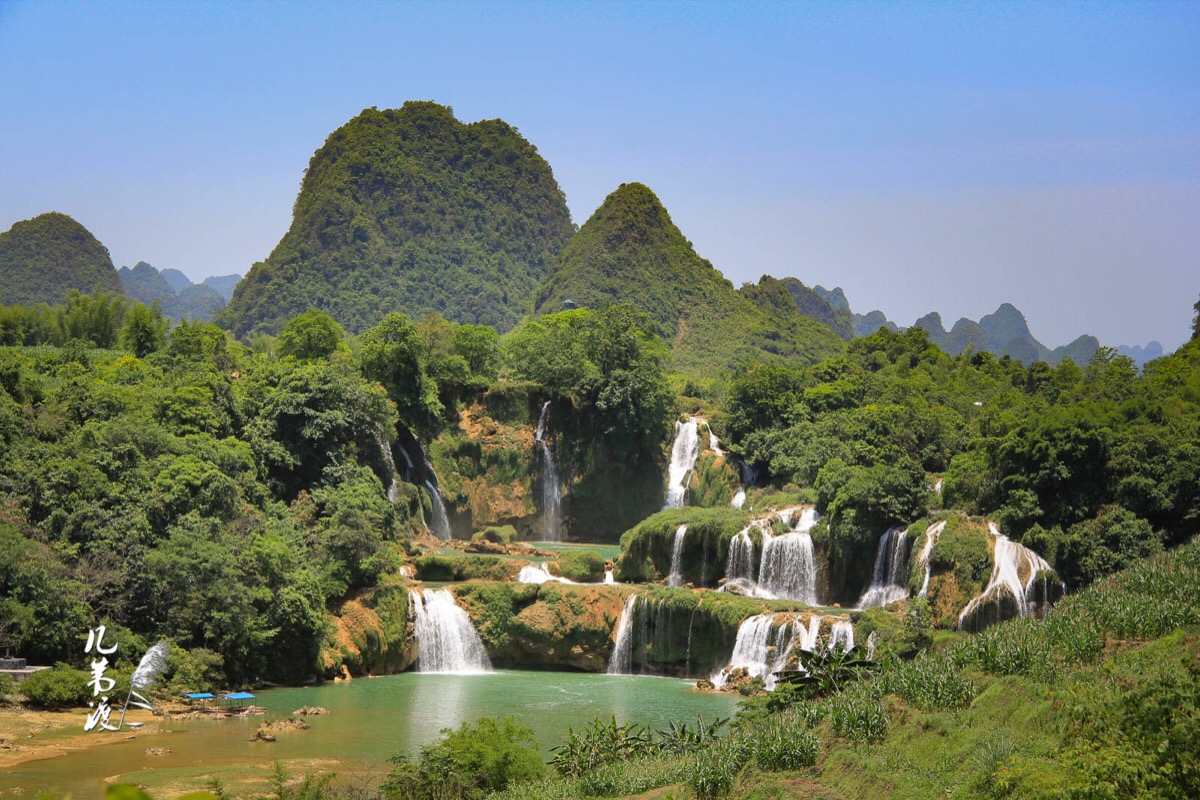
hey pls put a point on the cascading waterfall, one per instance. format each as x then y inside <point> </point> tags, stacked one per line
<point>684,452</point>
<point>788,568</point>
<point>890,581</point>
<point>739,498</point>
<point>763,646</point>
<point>621,660</point>
<point>385,450</point>
<point>551,486</point>
<point>539,573</point>
<point>872,643</point>
<point>1006,591</point>
<point>739,563</point>
<point>676,576</point>
<point>931,537</point>
<point>609,580</point>
<point>714,443</point>
<point>441,522</point>
<point>842,635</point>
<point>937,487</point>
<point>446,639</point>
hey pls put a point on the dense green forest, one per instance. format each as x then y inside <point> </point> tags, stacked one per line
<point>411,210</point>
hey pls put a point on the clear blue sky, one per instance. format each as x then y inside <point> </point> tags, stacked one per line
<point>923,156</point>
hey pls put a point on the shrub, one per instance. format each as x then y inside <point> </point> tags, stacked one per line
<point>599,743</point>
<point>476,759</point>
<point>61,687</point>
<point>496,534</point>
<point>715,771</point>
<point>858,718</point>
<point>6,686</point>
<point>929,683</point>
<point>784,743</point>
<point>582,566</point>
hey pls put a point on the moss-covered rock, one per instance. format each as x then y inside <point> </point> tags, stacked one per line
<point>647,547</point>
<point>369,635</point>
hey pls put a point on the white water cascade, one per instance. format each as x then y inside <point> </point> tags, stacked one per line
<point>788,568</point>
<point>842,635</point>
<point>763,646</point>
<point>441,522</point>
<point>551,486</point>
<point>931,537</point>
<point>609,580</point>
<point>739,498</point>
<point>446,639</point>
<point>621,660</point>
<point>890,581</point>
<point>1014,568</point>
<point>539,573</point>
<point>739,564</point>
<point>385,450</point>
<point>684,452</point>
<point>714,443</point>
<point>676,576</point>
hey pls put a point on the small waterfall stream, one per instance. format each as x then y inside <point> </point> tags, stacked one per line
<point>788,568</point>
<point>385,450</point>
<point>676,576</point>
<point>931,537</point>
<point>539,573</point>
<point>551,486</point>
<point>890,581</point>
<point>621,660</point>
<point>684,452</point>
<point>842,635</point>
<point>441,522</point>
<point>739,498</point>
<point>1006,590</point>
<point>764,645</point>
<point>446,640</point>
<point>739,563</point>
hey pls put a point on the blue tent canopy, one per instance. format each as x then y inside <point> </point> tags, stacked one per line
<point>239,696</point>
<point>199,696</point>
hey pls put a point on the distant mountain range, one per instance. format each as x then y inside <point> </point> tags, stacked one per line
<point>175,293</point>
<point>412,210</point>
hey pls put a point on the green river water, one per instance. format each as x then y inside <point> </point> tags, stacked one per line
<point>369,720</point>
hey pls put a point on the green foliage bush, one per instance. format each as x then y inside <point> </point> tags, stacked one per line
<point>471,762</point>
<point>60,687</point>
<point>581,566</point>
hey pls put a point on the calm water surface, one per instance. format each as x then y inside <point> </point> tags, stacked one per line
<point>369,720</point>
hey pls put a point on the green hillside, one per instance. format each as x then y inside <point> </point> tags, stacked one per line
<point>412,210</point>
<point>631,251</point>
<point>43,258</point>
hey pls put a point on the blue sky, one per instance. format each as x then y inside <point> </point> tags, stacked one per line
<point>923,156</point>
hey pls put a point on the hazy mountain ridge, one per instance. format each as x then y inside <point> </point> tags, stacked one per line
<point>175,293</point>
<point>43,258</point>
<point>412,210</point>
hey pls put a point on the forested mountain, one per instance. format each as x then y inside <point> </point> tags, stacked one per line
<point>176,295</point>
<point>43,258</point>
<point>412,210</point>
<point>811,303</point>
<point>631,251</point>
